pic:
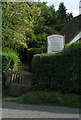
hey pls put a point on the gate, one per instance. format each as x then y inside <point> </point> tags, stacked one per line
<point>18,82</point>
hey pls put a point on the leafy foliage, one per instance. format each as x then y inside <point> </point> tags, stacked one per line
<point>62,17</point>
<point>37,40</point>
<point>10,60</point>
<point>17,22</point>
<point>13,21</point>
<point>27,24</point>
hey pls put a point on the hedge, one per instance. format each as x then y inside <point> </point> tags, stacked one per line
<point>9,60</point>
<point>32,51</point>
<point>58,71</point>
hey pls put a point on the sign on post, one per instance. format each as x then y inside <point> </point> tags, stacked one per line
<point>55,43</point>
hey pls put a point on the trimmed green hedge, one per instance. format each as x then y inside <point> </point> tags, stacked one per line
<point>9,60</point>
<point>58,71</point>
<point>32,51</point>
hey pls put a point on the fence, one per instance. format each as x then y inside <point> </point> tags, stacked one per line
<point>18,82</point>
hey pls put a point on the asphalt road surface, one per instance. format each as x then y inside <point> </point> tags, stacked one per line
<point>15,110</point>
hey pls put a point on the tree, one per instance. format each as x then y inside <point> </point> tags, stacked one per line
<point>62,11</point>
<point>13,21</point>
<point>24,21</point>
<point>18,22</point>
<point>48,13</point>
<point>47,20</point>
<point>62,17</point>
<point>69,16</point>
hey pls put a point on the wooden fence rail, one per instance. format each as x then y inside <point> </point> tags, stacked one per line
<point>19,82</point>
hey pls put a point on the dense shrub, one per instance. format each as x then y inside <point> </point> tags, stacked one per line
<point>58,71</point>
<point>37,40</point>
<point>9,60</point>
<point>32,51</point>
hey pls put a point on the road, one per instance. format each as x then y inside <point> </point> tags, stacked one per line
<point>15,110</point>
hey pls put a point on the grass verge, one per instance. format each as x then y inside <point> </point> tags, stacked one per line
<point>49,98</point>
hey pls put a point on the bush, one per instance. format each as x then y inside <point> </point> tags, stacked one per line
<point>9,60</point>
<point>37,40</point>
<point>32,51</point>
<point>58,71</point>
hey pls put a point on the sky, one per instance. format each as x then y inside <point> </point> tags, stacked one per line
<point>71,6</point>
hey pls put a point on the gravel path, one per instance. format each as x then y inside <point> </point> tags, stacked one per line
<point>15,110</point>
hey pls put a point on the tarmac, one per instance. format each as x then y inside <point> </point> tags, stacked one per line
<point>15,110</point>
